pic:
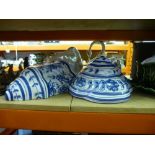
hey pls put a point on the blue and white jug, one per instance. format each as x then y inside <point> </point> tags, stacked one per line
<point>101,81</point>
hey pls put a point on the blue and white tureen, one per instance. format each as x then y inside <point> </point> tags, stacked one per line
<point>102,81</point>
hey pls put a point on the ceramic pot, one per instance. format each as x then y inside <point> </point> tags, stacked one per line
<point>102,81</point>
<point>29,85</point>
<point>40,82</point>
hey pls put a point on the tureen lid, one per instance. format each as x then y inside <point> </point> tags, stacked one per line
<point>102,81</point>
<point>101,66</point>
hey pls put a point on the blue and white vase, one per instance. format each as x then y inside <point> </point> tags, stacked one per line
<point>101,82</point>
<point>40,82</point>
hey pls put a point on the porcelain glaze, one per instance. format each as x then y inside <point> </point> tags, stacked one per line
<point>40,82</point>
<point>101,82</point>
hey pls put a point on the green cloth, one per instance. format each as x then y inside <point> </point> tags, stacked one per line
<point>55,103</point>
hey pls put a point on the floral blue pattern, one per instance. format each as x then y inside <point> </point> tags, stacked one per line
<point>81,82</point>
<point>101,82</point>
<point>112,85</point>
<point>41,82</point>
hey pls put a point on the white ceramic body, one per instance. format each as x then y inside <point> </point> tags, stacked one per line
<point>40,82</point>
<point>101,82</point>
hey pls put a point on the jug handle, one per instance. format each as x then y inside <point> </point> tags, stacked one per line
<point>89,52</point>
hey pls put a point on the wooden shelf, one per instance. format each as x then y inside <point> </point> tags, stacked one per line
<point>77,121</point>
<point>75,24</point>
<point>78,35</point>
<point>77,29</point>
<point>139,103</point>
<point>80,121</point>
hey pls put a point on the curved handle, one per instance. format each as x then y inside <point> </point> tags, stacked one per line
<point>89,52</point>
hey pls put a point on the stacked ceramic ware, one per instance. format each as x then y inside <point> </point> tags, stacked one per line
<point>101,81</point>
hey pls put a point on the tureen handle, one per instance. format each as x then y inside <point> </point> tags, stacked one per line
<point>89,52</point>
